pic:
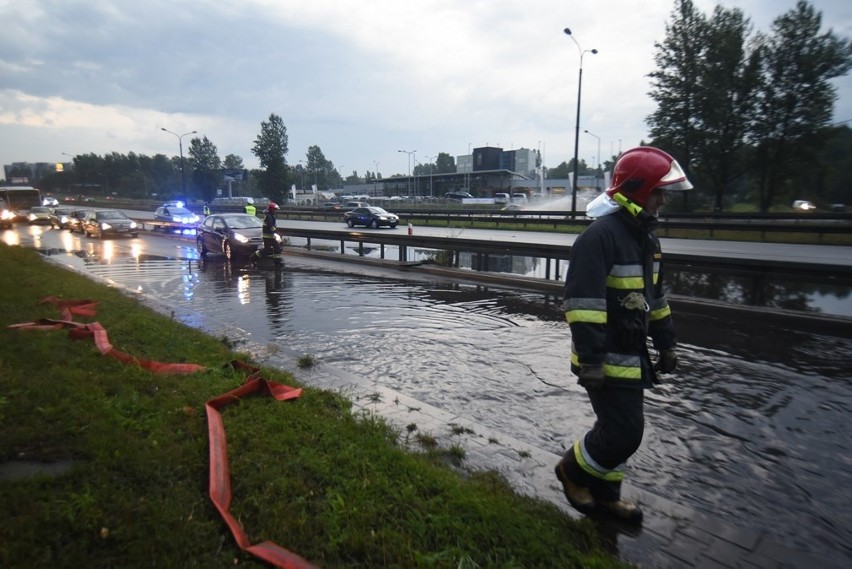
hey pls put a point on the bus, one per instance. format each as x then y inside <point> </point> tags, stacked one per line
<point>15,203</point>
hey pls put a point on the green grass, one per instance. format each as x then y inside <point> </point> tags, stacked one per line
<point>336,487</point>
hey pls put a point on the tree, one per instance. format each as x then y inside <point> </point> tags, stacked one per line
<point>233,162</point>
<point>206,167</point>
<point>270,148</point>
<point>724,102</point>
<point>319,169</point>
<point>796,98</point>
<point>675,83</point>
<point>445,164</point>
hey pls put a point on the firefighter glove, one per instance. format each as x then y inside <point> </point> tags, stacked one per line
<point>591,376</point>
<point>667,362</point>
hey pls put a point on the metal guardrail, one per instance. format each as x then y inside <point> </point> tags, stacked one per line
<point>555,255</point>
<point>814,224</point>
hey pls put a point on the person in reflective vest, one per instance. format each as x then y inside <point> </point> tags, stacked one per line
<point>614,300</point>
<point>206,210</point>
<point>271,247</point>
<point>250,209</point>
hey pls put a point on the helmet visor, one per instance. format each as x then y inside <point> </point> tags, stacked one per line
<point>675,179</point>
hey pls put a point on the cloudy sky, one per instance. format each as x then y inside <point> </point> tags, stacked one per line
<point>360,79</point>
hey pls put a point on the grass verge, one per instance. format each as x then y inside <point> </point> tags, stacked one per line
<point>338,488</point>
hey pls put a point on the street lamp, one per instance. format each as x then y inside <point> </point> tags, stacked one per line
<point>376,179</point>
<point>409,152</point>
<point>598,160</point>
<point>180,146</point>
<point>431,168</point>
<point>577,127</point>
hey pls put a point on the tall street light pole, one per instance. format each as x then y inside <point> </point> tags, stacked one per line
<point>376,178</point>
<point>582,52</point>
<point>598,159</point>
<point>409,152</point>
<point>180,146</point>
<point>431,168</point>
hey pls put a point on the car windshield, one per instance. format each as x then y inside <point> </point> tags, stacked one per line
<point>178,211</point>
<point>40,209</point>
<point>376,210</point>
<point>111,215</point>
<point>243,222</point>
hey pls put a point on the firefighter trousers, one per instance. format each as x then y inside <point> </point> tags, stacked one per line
<point>597,460</point>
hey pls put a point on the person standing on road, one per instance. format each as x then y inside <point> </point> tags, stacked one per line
<point>614,300</point>
<point>206,209</point>
<point>250,209</point>
<point>267,232</point>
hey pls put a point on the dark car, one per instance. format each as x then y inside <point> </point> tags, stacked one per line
<point>372,216</point>
<point>75,220</point>
<point>175,214</point>
<point>331,205</point>
<point>230,234</point>
<point>60,217</point>
<point>102,223</point>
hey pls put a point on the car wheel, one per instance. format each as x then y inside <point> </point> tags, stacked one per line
<point>202,250</point>
<point>374,224</point>
<point>350,222</point>
<point>226,249</point>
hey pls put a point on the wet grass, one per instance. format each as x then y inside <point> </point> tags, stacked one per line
<point>339,488</point>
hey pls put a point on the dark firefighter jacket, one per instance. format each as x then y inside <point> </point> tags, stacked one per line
<point>269,226</point>
<point>614,299</point>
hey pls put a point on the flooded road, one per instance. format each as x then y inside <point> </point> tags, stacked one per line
<point>752,428</point>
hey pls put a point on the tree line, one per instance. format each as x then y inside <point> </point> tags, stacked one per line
<point>747,114</point>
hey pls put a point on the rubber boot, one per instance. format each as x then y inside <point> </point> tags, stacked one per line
<point>622,510</point>
<point>579,497</point>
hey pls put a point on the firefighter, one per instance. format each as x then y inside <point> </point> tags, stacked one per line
<point>270,248</point>
<point>614,300</point>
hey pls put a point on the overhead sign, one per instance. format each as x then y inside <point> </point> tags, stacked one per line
<point>235,175</point>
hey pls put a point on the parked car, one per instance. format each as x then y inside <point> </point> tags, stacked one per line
<point>457,196</point>
<point>351,205</point>
<point>60,216</point>
<point>175,214</point>
<point>230,234</point>
<point>374,217</point>
<point>39,215</point>
<point>102,223</point>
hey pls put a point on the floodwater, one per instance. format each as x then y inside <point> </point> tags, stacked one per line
<point>751,429</point>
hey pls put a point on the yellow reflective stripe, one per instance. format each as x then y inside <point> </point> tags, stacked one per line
<point>575,359</point>
<point>622,372</point>
<point>634,283</point>
<point>592,316</point>
<point>660,313</point>
<point>590,466</point>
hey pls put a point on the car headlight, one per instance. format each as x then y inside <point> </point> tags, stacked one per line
<point>105,226</point>
<point>132,225</point>
<point>63,219</point>
<point>31,217</point>
<point>241,238</point>
<point>7,214</point>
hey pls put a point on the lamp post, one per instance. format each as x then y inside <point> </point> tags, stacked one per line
<point>376,178</point>
<point>582,52</point>
<point>431,168</point>
<point>180,147</point>
<point>409,152</point>
<point>598,160</point>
